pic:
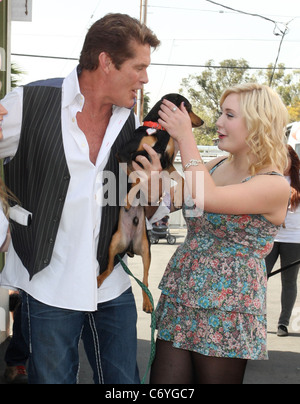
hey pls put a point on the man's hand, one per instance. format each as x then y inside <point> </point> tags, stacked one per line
<point>148,177</point>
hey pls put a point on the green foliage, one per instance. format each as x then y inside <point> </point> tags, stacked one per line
<point>16,72</point>
<point>205,90</point>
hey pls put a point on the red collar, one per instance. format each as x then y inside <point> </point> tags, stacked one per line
<point>154,125</point>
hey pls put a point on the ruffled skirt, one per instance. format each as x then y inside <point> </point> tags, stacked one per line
<point>212,332</point>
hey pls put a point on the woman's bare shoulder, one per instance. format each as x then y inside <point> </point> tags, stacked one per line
<point>212,163</point>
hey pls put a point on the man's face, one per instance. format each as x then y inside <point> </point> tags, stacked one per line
<point>131,77</point>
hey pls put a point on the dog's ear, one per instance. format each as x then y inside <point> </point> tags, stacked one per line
<point>196,120</point>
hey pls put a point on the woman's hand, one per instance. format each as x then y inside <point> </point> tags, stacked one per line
<point>176,121</point>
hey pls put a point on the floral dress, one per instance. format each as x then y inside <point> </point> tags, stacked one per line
<point>214,289</point>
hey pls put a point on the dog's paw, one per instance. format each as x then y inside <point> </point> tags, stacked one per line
<point>100,280</point>
<point>147,306</point>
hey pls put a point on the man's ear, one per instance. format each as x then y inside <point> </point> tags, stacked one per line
<point>105,62</point>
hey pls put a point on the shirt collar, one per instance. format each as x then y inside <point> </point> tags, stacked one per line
<point>71,89</point>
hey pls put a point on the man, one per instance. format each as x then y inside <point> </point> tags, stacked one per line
<point>60,136</point>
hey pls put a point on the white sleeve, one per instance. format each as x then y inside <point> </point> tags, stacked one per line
<point>12,123</point>
<point>3,226</point>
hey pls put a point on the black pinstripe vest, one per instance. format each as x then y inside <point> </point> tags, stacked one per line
<point>38,175</point>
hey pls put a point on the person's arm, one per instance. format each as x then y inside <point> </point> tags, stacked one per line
<point>12,123</point>
<point>4,231</point>
<point>5,245</point>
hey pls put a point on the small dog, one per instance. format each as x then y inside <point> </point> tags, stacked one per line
<point>131,236</point>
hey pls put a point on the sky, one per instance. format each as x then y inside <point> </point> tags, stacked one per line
<point>191,31</point>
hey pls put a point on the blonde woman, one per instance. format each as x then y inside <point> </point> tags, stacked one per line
<point>212,312</point>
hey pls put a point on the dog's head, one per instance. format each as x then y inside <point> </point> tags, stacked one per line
<point>156,136</point>
<point>176,99</point>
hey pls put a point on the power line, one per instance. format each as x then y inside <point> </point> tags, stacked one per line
<point>213,11</point>
<point>278,30</point>
<point>242,12</point>
<point>43,56</point>
<point>222,67</point>
<point>164,64</point>
<point>279,50</point>
<point>227,39</point>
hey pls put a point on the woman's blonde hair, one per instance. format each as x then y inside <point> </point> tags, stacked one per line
<point>266,119</point>
<point>5,196</point>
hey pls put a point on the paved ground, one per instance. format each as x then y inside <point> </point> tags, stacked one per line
<point>283,366</point>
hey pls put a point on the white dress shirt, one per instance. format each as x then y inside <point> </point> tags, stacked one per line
<point>290,232</point>
<point>3,226</point>
<point>70,281</point>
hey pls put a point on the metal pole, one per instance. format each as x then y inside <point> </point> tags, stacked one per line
<point>3,46</point>
<point>5,51</point>
<point>140,100</point>
<point>144,11</point>
<point>5,68</point>
<point>4,65</point>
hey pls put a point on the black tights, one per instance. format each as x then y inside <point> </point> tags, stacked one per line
<point>177,366</point>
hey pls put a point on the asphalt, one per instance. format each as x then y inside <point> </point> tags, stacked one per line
<point>283,366</point>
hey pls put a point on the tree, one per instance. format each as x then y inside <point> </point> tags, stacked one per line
<point>146,104</point>
<point>205,90</point>
<point>16,72</point>
<point>286,84</point>
<point>294,112</point>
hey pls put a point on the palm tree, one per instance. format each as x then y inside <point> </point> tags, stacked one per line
<point>16,72</point>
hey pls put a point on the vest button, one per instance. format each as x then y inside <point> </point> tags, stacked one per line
<point>51,241</point>
<point>46,261</point>
<point>66,178</point>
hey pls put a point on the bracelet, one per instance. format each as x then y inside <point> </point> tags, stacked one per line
<point>193,163</point>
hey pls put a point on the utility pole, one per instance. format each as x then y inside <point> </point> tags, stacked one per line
<point>143,11</point>
<point>5,18</point>
<point>140,100</point>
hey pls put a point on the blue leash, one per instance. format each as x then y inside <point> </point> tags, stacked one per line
<point>153,318</point>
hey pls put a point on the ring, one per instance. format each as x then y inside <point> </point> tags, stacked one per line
<point>174,109</point>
